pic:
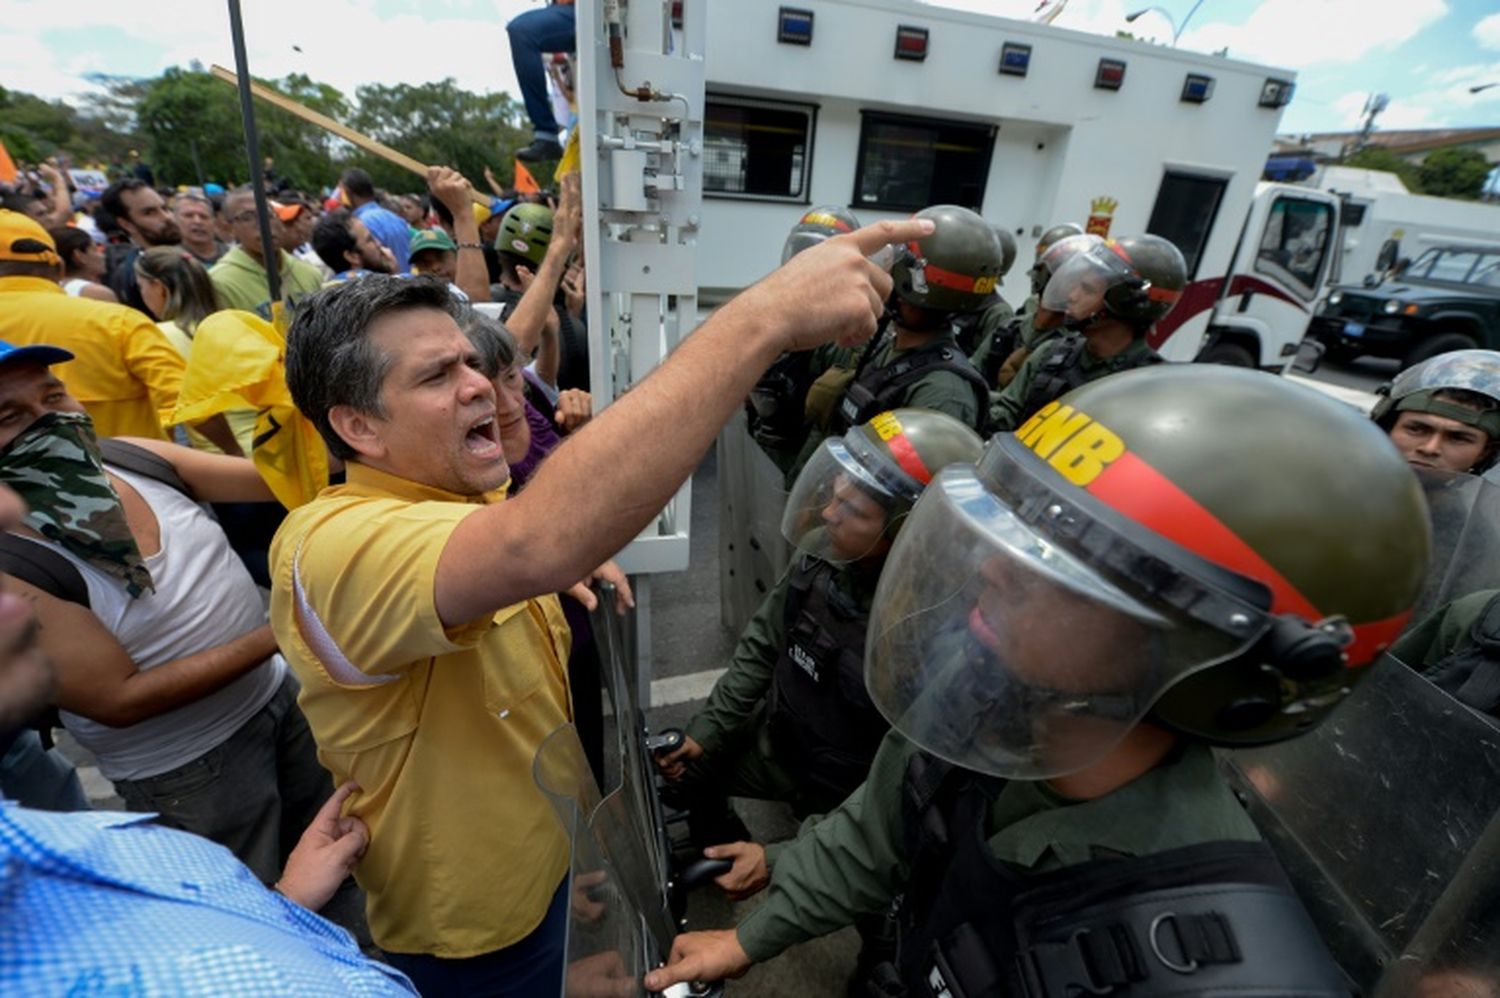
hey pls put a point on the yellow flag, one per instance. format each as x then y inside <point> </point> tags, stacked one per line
<point>571,155</point>
<point>239,362</point>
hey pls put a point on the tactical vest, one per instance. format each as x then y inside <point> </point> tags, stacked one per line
<point>1003,345</point>
<point>1218,918</point>
<point>775,410</point>
<point>824,727</point>
<point>966,325</point>
<point>1061,371</point>
<point>1471,674</point>
<point>877,388</point>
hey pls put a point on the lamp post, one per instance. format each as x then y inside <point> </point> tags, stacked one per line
<point>1176,29</point>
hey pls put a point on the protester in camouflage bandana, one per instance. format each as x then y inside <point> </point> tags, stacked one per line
<point>56,467</point>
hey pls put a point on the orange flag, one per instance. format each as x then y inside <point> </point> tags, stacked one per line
<point>8,167</point>
<point>525,182</point>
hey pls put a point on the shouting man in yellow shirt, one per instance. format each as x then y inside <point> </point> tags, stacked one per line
<point>416,607</point>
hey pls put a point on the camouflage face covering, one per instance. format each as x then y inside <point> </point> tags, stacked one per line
<point>56,467</point>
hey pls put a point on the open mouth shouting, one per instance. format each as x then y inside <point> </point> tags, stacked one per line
<point>482,440</point>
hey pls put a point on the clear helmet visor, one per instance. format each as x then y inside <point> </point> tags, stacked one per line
<point>995,649</point>
<point>843,503</point>
<point>800,240</point>
<point>1077,285</point>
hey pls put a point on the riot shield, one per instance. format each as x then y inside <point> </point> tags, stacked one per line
<point>752,552</point>
<point>1465,537</point>
<point>1387,820</point>
<point>622,886</point>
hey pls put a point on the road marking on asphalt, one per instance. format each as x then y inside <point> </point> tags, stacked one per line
<point>670,690</point>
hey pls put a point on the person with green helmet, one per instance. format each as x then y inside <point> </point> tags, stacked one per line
<point>986,330</point>
<point>536,247</point>
<point>1443,415</point>
<point>1060,635</point>
<point>1110,295</point>
<point>916,361</point>
<point>775,412</point>
<point>1445,412</point>
<point>1035,325</point>
<point>790,720</point>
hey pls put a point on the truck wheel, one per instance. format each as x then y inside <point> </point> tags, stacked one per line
<point>1228,354</point>
<point>1434,345</point>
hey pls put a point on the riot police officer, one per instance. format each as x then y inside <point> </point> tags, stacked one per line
<point>1083,615</point>
<point>790,719</point>
<point>775,412</point>
<point>1445,412</point>
<point>1111,294</point>
<point>987,329</point>
<point>999,357</point>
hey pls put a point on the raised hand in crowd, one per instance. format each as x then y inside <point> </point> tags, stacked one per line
<point>456,194</point>
<point>59,205</point>
<point>530,320</point>
<point>575,407</point>
<point>574,287</point>
<point>495,186</point>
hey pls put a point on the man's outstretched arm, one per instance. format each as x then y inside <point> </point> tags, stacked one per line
<point>618,472</point>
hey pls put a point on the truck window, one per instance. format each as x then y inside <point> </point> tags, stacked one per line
<point>1184,213</point>
<point>757,149</point>
<point>1453,265</point>
<point>1295,243</point>
<point>906,164</point>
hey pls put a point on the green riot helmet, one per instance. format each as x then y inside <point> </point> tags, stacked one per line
<point>1049,239</point>
<point>818,224</point>
<point>954,269</point>
<point>1463,385</point>
<point>1137,280</point>
<point>525,232</point>
<point>854,493</point>
<point>1007,249</point>
<point>1129,554</point>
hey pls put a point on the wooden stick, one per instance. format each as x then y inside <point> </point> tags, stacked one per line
<point>344,132</point>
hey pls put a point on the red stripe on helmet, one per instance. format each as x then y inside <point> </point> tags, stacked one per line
<point>908,459</point>
<point>1137,490</point>
<point>950,279</point>
<point>1163,294</point>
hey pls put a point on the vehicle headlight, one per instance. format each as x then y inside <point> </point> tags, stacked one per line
<point>1392,307</point>
<point>1335,298</point>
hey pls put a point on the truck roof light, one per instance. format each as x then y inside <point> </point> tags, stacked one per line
<point>1197,88</point>
<point>911,43</point>
<point>1110,75</point>
<point>794,26</point>
<point>1015,59</point>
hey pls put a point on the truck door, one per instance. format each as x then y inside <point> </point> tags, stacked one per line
<point>1286,255</point>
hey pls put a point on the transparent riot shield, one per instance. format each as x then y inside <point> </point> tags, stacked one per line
<point>1387,820</point>
<point>622,884</point>
<point>1465,537</point>
<point>752,552</point>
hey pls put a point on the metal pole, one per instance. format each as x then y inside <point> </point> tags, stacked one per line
<point>269,251</point>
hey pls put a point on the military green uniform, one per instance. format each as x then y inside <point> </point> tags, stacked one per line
<point>1007,408</point>
<point>992,323</point>
<point>739,758</point>
<point>1445,648</point>
<point>854,860</point>
<point>938,390</point>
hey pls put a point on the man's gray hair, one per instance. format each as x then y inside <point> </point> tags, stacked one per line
<point>330,360</point>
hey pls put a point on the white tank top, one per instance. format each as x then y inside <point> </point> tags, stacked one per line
<point>75,285</point>
<point>204,597</point>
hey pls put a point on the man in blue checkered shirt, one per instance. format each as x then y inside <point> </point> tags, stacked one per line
<point>99,902</point>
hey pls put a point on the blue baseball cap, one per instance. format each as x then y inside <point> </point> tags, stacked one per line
<point>36,354</point>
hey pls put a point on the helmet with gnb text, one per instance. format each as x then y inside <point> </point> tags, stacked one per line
<point>1122,558</point>
<point>954,269</point>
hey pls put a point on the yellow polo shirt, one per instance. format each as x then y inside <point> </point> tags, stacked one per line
<point>439,727</point>
<point>124,371</point>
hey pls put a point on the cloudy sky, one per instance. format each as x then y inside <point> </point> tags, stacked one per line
<point>1424,53</point>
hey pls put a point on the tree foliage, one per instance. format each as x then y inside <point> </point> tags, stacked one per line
<point>1454,172</point>
<point>187,125</point>
<point>1381,158</point>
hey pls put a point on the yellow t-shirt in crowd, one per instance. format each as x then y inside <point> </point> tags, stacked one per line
<point>241,421</point>
<point>124,370</point>
<point>438,726</point>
